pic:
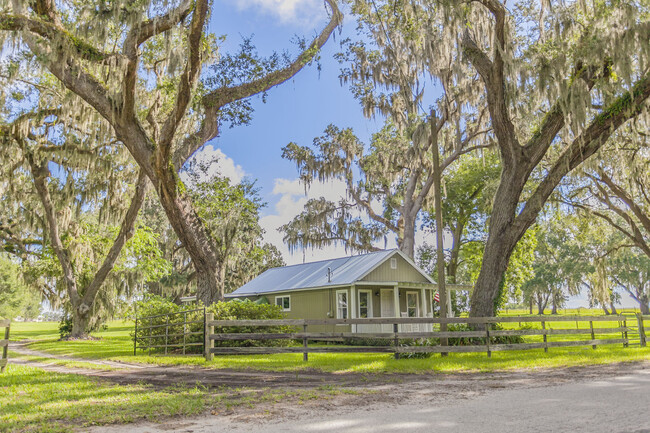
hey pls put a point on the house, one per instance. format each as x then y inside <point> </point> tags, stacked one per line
<point>380,284</point>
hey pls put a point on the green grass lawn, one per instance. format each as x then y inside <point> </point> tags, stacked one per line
<point>34,400</point>
<point>115,344</point>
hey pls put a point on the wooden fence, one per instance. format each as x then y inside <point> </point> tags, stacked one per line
<point>4,344</point>
<point>170,332</point>
<point>484,339</point>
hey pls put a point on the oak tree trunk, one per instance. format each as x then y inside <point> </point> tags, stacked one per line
<point>503,236</point>
<point>613,308</point>
<point>80,321</point>
<point>407,242</point>
<point>644,305</point>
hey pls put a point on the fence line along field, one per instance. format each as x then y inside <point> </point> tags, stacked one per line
<point>488,339</point>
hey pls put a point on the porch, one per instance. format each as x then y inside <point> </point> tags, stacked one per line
<point>398,300</point>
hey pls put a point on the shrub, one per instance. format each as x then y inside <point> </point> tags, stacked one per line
<point>419,342</point>
<point>367,341</point>
<point>247,310</point>
<point>157,311</point>
<point>467,341</point>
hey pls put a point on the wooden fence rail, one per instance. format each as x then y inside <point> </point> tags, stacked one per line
<point>482,339</point>
<point>4,344</point>
<point>157,335</point>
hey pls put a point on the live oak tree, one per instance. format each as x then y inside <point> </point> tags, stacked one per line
<point>559,264</point>
<point>616,189</point>
<point>392,186</point>
<point>559,78</point>
<point>231,214</point>
<point>388,182</point>
<point>230,211</point>
<point>70,197</point>
<point>630,270</point>
<point>615,192</point>
<point>139,66</point>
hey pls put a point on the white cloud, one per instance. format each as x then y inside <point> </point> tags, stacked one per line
<point>302,12</point>
<point>218,163</point>
<point>291,203</point>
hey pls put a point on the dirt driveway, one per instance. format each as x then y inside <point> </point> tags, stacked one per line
<point>412,402</point>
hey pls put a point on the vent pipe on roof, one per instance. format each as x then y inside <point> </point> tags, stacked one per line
<point>329,275</point>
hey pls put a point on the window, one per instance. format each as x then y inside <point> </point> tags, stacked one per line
<point>342,304</point>
<point>412,304</point>
<point>365,304</point>
<point>393,263</point>
<point>283,302</point>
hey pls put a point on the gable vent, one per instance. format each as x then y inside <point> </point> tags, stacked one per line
<point>393,263</point>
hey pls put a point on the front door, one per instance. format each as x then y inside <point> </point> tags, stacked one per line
<point>387,303</point>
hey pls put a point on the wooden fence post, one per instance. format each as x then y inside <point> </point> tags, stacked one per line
<point>209,330</point>
<point>5,350</point>
<point>135,337</point>
<point>487,339</point>
<point>642,337</point>
<point>166,334</point>
<point>184,331</point>
<point>545,337</point>
<point>396,341</point>
<point>305,354</point>
<point>593,336</point>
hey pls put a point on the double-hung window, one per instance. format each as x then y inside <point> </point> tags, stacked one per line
<point>283,302</point>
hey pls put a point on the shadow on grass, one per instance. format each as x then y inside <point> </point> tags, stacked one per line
<point>35,400</point>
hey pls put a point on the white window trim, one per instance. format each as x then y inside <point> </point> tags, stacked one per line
<point>370,312</point>
<point>347,307</point>
<point>417,303</point>
<point>282,306</point>
<point>393,263</point>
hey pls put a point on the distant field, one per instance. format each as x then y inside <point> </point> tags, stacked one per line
<point>116,344</point>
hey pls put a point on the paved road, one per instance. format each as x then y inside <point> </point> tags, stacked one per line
<point>613,404</point>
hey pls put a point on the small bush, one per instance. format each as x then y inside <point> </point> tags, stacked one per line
<point>419,342</point>
<point>247,310</point>
<point>157,311</point>
<point>468,341</point>
<point>367,341</point>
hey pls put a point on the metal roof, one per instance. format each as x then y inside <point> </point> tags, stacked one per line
<point>345,271</point>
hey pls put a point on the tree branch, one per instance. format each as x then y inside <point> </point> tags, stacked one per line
<point>126,232</point>
<point>218,98</point>
<point>584,146</point>
<point>187,80</point>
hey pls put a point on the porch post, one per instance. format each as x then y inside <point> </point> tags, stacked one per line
<point>450,312</point>
<point>353,306</point>
<point>396,299</point>
<point>423,304</point>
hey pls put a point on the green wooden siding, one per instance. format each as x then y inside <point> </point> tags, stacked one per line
<point>405,272</point>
